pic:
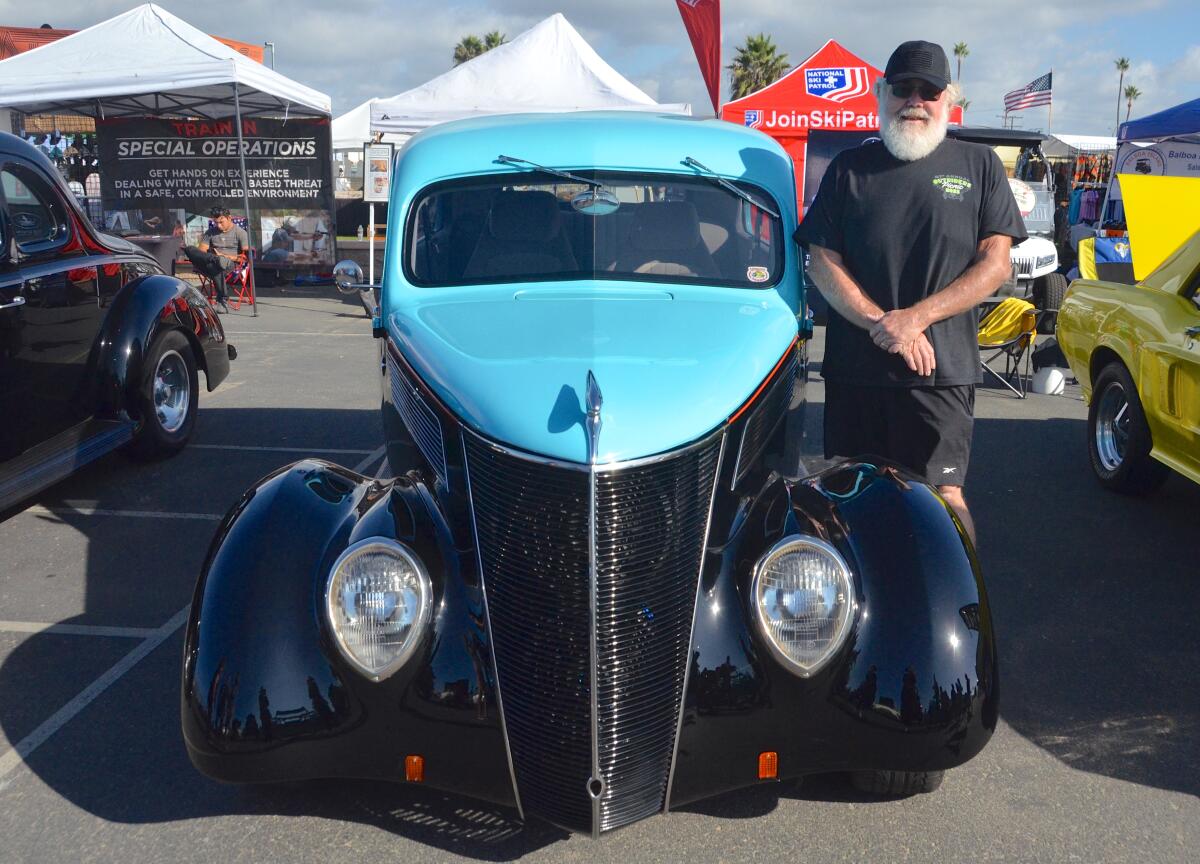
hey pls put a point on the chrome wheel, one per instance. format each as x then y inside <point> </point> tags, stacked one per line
<point>172,391</point>
<point>1113,421</point>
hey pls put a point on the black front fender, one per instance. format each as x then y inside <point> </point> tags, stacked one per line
<point>913,688</point>
<point>140,311</point>
<point>266,694</point>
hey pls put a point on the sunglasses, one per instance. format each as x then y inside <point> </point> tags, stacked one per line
<point>927,91</point>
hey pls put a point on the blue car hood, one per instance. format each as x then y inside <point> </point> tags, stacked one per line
<point>671,364</point>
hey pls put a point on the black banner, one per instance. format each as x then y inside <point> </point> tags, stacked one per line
<point>193,164</point>
<point>823,145</point>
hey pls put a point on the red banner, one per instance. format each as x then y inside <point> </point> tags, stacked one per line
<point>702,18</point>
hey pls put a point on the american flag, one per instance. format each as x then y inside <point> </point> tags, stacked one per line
<point>1036,92</point>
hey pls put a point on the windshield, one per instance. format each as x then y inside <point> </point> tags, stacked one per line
<point>529,226</point>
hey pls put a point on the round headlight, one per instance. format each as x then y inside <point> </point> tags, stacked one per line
<point>379,602</point>
<point>805,600</point>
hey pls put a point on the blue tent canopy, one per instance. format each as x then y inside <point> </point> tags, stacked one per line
<point>1181,121</point>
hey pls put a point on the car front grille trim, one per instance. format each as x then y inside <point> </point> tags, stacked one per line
<point>590,577</point>
<point>772,408</point>
<point>418,417</point>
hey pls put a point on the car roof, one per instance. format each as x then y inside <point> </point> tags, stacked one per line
<point>607,140</point>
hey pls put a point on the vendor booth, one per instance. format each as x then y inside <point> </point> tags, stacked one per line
<point>547,68</point>
<point>1157,188</point>
<point>184,123</point>
<point>831,91</point>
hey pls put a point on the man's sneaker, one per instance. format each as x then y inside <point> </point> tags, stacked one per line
<point>223,307</point>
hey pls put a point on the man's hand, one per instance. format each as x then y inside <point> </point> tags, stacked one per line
<point>897,328</point>
<point>918,355</point>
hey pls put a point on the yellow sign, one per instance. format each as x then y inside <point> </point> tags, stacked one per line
<point>1162,213</point>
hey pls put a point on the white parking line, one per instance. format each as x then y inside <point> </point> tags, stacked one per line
<point>63,512</point>
<point>369,461</point>
<point>278,449</point>
<point>367,334</point>
<point>18,754</point>
<point>75,629</point>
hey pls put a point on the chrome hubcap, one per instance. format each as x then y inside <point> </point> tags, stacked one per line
<point>172,391</point>
<point>1112,426</point>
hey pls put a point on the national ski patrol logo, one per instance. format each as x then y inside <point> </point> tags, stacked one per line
<point>753,118</point>
<point>837,83</point>
<point>952,186</point>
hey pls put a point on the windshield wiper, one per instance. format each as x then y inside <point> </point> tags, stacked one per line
<point>574,178</point>
<point>712,175</point>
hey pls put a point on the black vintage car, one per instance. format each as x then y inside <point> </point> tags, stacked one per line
<point>602,583</point>
<point>98,347</point>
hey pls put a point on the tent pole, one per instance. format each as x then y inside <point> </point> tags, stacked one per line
<point>237,108</point>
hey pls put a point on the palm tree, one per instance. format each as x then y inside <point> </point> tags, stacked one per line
<point>1122,64</point>
<point>470,47</point>
<point>1131,95</point>
<point>960,51</point>
<point>756,65</point>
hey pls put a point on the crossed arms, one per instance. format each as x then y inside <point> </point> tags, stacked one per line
<point>902,331</point>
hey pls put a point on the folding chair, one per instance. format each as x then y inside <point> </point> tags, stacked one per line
<point>1008,331</point>
<point>239,283</point>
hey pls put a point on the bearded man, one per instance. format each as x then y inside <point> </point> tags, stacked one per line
<point>906,236</point>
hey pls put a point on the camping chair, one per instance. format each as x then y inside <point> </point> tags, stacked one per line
<point>1008,331</point>
<point>239,283</point>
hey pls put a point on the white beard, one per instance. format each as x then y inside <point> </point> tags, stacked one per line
<point>909,141</point>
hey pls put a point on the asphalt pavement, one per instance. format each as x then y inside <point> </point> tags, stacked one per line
<point>1094,597</point>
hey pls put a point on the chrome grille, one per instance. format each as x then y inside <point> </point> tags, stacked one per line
<point>1024,264</point>
<point>532,525</point>
<point>771,408</point>
<point>650,526</point>
<point>420,420</point>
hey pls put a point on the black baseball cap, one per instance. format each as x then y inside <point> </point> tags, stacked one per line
<point>923,60</point>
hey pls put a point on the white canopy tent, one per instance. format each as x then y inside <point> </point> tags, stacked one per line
<point>1077,145</point>
<point>148,62</point>
<point>547,68</point>
<point>353,129</point>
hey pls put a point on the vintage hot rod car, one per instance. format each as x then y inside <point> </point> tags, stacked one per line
<point>1136,352</point>
<point>600,585</point>
<point>98,348</point>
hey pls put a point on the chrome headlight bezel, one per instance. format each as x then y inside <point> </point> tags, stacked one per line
<point>420,622</point>
<point>844,622</point>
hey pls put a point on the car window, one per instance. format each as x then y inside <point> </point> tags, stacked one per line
<point>35,214</point>
<point>527,226</point>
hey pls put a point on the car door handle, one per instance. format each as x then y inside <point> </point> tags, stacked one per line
<point>16,301</point>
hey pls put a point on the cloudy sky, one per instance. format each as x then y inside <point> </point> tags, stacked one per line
<point>356,49</point>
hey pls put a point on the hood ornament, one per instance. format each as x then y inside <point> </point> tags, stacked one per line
<point>595,400</point>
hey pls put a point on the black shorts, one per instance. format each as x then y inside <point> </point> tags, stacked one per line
<point>925,429</point>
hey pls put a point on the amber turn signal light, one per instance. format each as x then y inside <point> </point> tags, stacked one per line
<point>768,765</point>
<point>414,769</point>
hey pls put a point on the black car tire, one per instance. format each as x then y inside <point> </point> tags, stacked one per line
<point>896,784</point>
<point>1120,448</point>
<point>166,398</point>
<point>1048,294</point>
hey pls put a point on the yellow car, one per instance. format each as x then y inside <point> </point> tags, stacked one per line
<point>1136,352</point>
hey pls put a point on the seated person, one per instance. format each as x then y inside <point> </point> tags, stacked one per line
<point>219,251</point>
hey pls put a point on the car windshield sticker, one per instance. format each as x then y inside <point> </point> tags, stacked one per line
<point>952,186</point>
<point>758,274</point>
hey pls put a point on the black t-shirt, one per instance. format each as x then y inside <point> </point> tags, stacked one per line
<point>906,230</point>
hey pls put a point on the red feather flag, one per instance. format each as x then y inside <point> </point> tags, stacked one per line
<point>702,18</point>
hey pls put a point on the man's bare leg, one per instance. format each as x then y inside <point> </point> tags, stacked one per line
<point>954,497</point>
